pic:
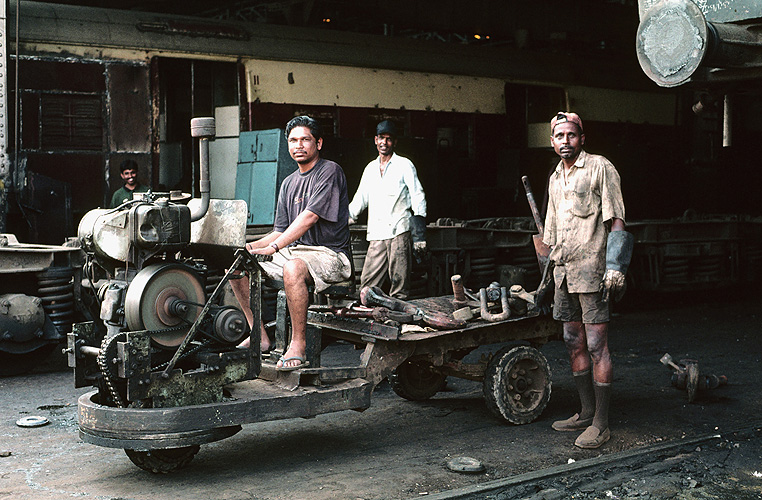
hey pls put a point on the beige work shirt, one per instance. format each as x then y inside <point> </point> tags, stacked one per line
<point>579,207</point>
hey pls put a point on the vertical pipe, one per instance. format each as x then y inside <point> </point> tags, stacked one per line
<point>193,115</point>
<point>727,125</point>
<point>4,162</point>
<point>156,113</point>
<point>203,129</point>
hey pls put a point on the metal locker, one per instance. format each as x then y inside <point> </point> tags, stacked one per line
<point>263,163</point>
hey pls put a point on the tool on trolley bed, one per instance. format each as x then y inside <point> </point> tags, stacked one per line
<point>164,357</point>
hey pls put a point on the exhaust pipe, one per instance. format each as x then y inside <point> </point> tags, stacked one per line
<point>204,129</point>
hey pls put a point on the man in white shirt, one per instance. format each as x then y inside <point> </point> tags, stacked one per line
<point>390,190</point>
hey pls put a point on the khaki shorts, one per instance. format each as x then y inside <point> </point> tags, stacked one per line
<point>588,308</point>
<point>326,266</point>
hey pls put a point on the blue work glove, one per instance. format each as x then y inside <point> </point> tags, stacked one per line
<point>619,247</point>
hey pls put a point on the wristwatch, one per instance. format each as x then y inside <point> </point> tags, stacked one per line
<point>275,247</point>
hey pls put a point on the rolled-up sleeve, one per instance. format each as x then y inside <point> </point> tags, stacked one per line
<point>612,203</point>
<point>549,237</point>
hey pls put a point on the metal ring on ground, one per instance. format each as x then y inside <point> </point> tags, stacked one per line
<point>465,464</point>
<point>32,421</point>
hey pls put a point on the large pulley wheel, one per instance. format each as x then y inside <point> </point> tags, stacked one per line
<point>161,297</point>
<point>416,381</point>
<point>517,384</point>
<point>163,461</point>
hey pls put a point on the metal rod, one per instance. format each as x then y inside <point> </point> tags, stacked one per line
<point>727,122</point>
<point>87,350</point>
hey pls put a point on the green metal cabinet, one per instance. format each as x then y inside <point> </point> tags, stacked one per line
<point>263,163</point>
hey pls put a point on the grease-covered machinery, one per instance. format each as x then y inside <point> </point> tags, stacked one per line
<point>165,335</point>
<point>163,354</point>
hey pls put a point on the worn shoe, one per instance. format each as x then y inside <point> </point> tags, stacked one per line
<point>573,423</point>
<point>592,438</point>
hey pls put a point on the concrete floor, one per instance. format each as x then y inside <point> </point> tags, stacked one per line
<point>397,448</point>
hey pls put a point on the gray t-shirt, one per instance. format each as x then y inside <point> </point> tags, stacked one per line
<point>323,191</point>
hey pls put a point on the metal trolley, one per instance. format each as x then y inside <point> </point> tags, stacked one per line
<point>168,413</point>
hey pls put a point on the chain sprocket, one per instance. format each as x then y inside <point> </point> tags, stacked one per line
<point>108,358</point>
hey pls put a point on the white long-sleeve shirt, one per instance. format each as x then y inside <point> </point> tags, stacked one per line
<point>391,199</point>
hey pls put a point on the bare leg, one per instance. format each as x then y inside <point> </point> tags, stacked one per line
<point>598,345</point>
<point>242,293</point>
<point>576,344</point>
<point>296,278</point>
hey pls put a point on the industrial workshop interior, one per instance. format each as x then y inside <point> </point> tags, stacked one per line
<point>123,327</point>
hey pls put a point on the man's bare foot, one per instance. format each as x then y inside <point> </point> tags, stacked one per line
<point>291,360</point>
<point>264,345</point>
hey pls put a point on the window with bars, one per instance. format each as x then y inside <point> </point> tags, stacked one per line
<point>71,122</point>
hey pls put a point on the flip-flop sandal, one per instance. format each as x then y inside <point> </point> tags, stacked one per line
<point>279,366</point>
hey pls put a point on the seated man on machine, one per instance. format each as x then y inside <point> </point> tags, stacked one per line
<point>310,238</point>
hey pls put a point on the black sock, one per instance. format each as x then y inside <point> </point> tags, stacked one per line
<point>584,382</point>
<point>602,396</point>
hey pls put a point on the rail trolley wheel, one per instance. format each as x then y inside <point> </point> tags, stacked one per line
<point>517,384</point>
<point>163,461</point>
<point>416,381</point>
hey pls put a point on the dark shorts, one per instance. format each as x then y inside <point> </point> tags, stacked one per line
<point>588,308</point>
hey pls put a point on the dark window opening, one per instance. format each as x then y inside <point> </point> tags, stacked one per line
<point>71,122</point>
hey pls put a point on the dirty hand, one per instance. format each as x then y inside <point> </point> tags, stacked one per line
<point>419,246</point>
<point>613,285</point>
<point>255,250</point>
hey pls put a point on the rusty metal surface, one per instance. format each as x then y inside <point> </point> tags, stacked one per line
<point>357,326</point>
<point>717,11</point>
<point>175,440</point>
<point>697,252</point>
<point>199,386</point>
<point>382,358</point>
<point>128,90</point>
<point>18,257</point>
<point>440,238</point>
<point>532,327</point>
<point>249,402</point>
<point>677,37</point>
<point>223,225</point>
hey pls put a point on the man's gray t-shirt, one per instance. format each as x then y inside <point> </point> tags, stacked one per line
<point>323,191</point>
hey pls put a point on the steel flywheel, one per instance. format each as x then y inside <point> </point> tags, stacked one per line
<point>163,296</point>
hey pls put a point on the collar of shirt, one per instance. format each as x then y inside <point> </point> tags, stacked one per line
<point>579,162</point>
<point>382,168</point>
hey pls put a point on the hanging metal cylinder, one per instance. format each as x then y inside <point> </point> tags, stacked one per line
<point>674,40</point>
